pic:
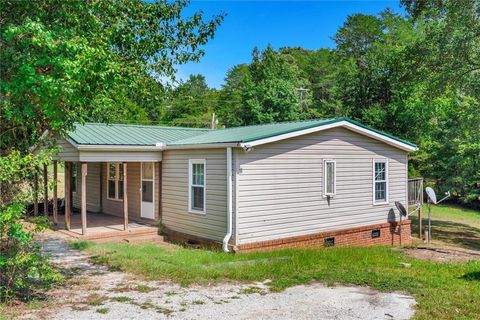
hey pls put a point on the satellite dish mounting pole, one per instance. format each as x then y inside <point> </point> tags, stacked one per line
<point>400,229</point>
<point>429,222</point>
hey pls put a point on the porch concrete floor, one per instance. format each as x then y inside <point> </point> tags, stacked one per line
<point>101,225</point>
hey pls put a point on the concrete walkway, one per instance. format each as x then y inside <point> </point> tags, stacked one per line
<point>94,292</point>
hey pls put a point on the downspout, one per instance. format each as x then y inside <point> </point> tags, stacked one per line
<point>229,200</point>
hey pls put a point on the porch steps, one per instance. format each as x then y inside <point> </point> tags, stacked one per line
<point>131,237</point>
<point>144,238</point>
<point>106,236</point>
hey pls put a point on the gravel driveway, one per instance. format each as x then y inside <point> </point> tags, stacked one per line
<point>96,293</point>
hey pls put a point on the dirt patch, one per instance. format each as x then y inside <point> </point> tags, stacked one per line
<point>443,254</point>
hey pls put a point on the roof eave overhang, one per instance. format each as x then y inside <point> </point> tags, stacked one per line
<point>346,124</point>
<point>202,145</point>
<point>98,147</point>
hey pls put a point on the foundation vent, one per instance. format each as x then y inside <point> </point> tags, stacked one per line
<point>329,242</point>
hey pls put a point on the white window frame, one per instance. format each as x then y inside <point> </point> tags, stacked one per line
<point>191,162</point>
<point>325,193</point>
<point>386,201</point>
<point>116,179</point>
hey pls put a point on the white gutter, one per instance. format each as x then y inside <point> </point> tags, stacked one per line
<point>159,146</point>
<point>100,147</point>
<point>201,145</point>
<point>229,200</point>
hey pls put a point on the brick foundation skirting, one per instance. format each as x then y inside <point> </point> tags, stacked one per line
<point>187,239</point>
<point>359,236</point>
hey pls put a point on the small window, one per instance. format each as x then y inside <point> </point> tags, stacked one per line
<point>115,181</point>
<point>329,242</point>
<point>74,180</point>
<point>196,195</point>
<point>380,182</point>
<point>329,177</point>
<point>375,233</point>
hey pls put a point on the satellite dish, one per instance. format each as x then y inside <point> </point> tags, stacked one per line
<point>431,194</point>
<point>401,208</point>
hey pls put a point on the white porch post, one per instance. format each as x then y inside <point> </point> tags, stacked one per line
<point>125,200</point>
<point>45,190</point>
<point>84,198</point>
<point>54,200</point>
<point>68,193</point>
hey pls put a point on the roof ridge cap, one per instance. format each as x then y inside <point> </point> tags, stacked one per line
<point>283,122</point>
<point>141,126</point>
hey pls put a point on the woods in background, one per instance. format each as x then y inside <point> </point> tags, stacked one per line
<point>416,76</point>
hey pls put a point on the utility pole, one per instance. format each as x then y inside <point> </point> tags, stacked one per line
<point>214,121</point>
<point>301,93</point>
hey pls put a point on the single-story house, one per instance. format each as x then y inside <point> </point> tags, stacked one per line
<point>301,183</point>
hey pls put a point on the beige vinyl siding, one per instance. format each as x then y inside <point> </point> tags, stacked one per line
<point>280,187</point>
<point>175,215</point>
<point>67,151</point>
<point>115,207</point>
<point>93,187</point>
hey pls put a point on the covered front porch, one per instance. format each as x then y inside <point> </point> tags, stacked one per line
<point>105,227</point>
<point>110,192</point>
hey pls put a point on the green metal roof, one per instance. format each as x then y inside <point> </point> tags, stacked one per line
<point>124,134</point>
<point>252,133</point>
<point>263,131</point>
<point>121,134</point>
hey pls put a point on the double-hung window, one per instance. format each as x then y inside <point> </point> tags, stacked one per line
<point>74,178</point>
<point>329,178</point>
<point>380,181</point>
<point>196,190</point>
<point>115,181</point>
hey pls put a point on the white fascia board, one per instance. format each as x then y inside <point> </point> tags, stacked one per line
<point>99,147</point>
<point>381,137</point>
<point>346,124</point>
<point>73,143</point>
<point>201,146</point>
<point>158,147</point>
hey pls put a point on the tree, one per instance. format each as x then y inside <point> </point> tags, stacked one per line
<point>450,48</point>
<point>357,35</point>
<point>269,90</point>
<point>64,62</point>
<point>230,105</point>
<point>191,105</point>
<point>71,61</point>
<point>448,56</point>
<point>318,68</point>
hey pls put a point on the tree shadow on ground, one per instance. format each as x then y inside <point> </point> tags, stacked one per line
<point>454,233</point>
<point>472,276</point>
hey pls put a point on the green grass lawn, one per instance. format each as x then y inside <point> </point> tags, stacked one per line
<point>443,291</point>
<point>452,225</point>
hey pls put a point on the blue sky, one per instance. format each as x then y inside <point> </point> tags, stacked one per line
<point>307,24</point>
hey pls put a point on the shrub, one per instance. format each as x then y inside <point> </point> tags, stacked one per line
<point>23,269</point>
